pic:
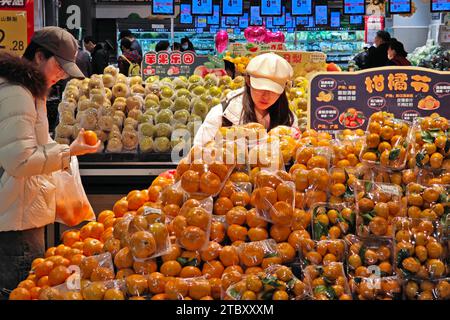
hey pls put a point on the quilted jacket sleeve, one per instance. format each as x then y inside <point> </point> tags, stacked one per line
<point>209,127</point>
<point>20,154</point>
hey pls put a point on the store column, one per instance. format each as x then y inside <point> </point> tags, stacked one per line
<point>77,17</point>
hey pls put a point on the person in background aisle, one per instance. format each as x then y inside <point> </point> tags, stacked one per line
<point>397,54</point>
<point>128,57</point>
<point>127,34</point>
<point>99,55</point>
<point>230,68</point>
<point>89,44</point>
<point>262,100</point>
<point>28,156</point>
<point>84,62</point>
<point>176,46</point>
<point>186,45</point>
<point>378,54</point>
<point>361,58</point>
<point>163,45</point>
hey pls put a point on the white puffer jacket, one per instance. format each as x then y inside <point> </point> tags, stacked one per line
<point>28,156</point>
<point>233,113</point>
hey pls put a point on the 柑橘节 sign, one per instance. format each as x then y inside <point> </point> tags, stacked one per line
<point>345,100</point>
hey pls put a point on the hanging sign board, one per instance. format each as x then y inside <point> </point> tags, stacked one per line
<point>345,100</point>
<point>354,7</point>
<point>371,26</point>
<point>176,63</point>
<point>440,6</point>
<point>16,25</point>
<point>163,7</point>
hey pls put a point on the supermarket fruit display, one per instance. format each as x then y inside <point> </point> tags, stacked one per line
<point>252,231</point>
<point>298,100</point>
<point>129,114</point>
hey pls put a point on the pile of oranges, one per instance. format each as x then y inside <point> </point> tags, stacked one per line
<point>317,231</point>
<point>387,141</point>
<point>364,253</point>
<point>431,142</point>
<point>276,283</point>
<point>419,250</point>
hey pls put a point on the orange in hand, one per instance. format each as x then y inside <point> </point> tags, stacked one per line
<point>90,138</point>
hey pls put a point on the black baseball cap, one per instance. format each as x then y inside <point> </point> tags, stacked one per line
<point>63,46</point>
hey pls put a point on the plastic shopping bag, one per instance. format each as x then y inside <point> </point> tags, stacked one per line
<point>72,204</point>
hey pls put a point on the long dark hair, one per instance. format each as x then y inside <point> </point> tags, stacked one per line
<point>280,114</point>
<point>398,47</point>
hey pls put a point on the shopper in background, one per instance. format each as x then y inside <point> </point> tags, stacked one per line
<point>397,54</point>
<point>84,62</point>
<point>176,46</point>
<point>230,68</point>
<point>163,45</point>
<point>99,55</point>
<point>28,156</point>
<point>128,58</point>
<point>135,46</point>
<point>262,100</point>
<point>186,45</point>
<point>361,58</point>
<point>89,44</point>
<point>378,54</point>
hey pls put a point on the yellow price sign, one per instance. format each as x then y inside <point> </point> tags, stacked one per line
<point>13,31</point>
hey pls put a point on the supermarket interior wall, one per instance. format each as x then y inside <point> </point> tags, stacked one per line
<point>413,31</point>
<point>118,11</point>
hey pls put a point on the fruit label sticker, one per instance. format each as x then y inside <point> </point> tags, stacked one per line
<point>16,25</point>
<point>392,190</point>
<point>176,64</point>
<point>150,210</point>
<point>345,100</point>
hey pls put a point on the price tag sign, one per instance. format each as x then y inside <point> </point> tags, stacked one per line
<point>163,7</point>
<point>301,7</point>
<point>243,21</point>
<point>185,14</point>
<point>400,6</point>
<point>440,5</point>
<point>215,18</point>
<point>271,8</point>
<point>202,7</point>
<point>335,19</point>
<point>354,7</point>
<point>356,19</point>
<point>255,17</point>
<point>13,31</point>
<point>321,15</point>
<point>232,7</point>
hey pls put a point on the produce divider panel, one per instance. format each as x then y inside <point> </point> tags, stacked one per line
<point>346,100</point>
<point>125,165</point>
